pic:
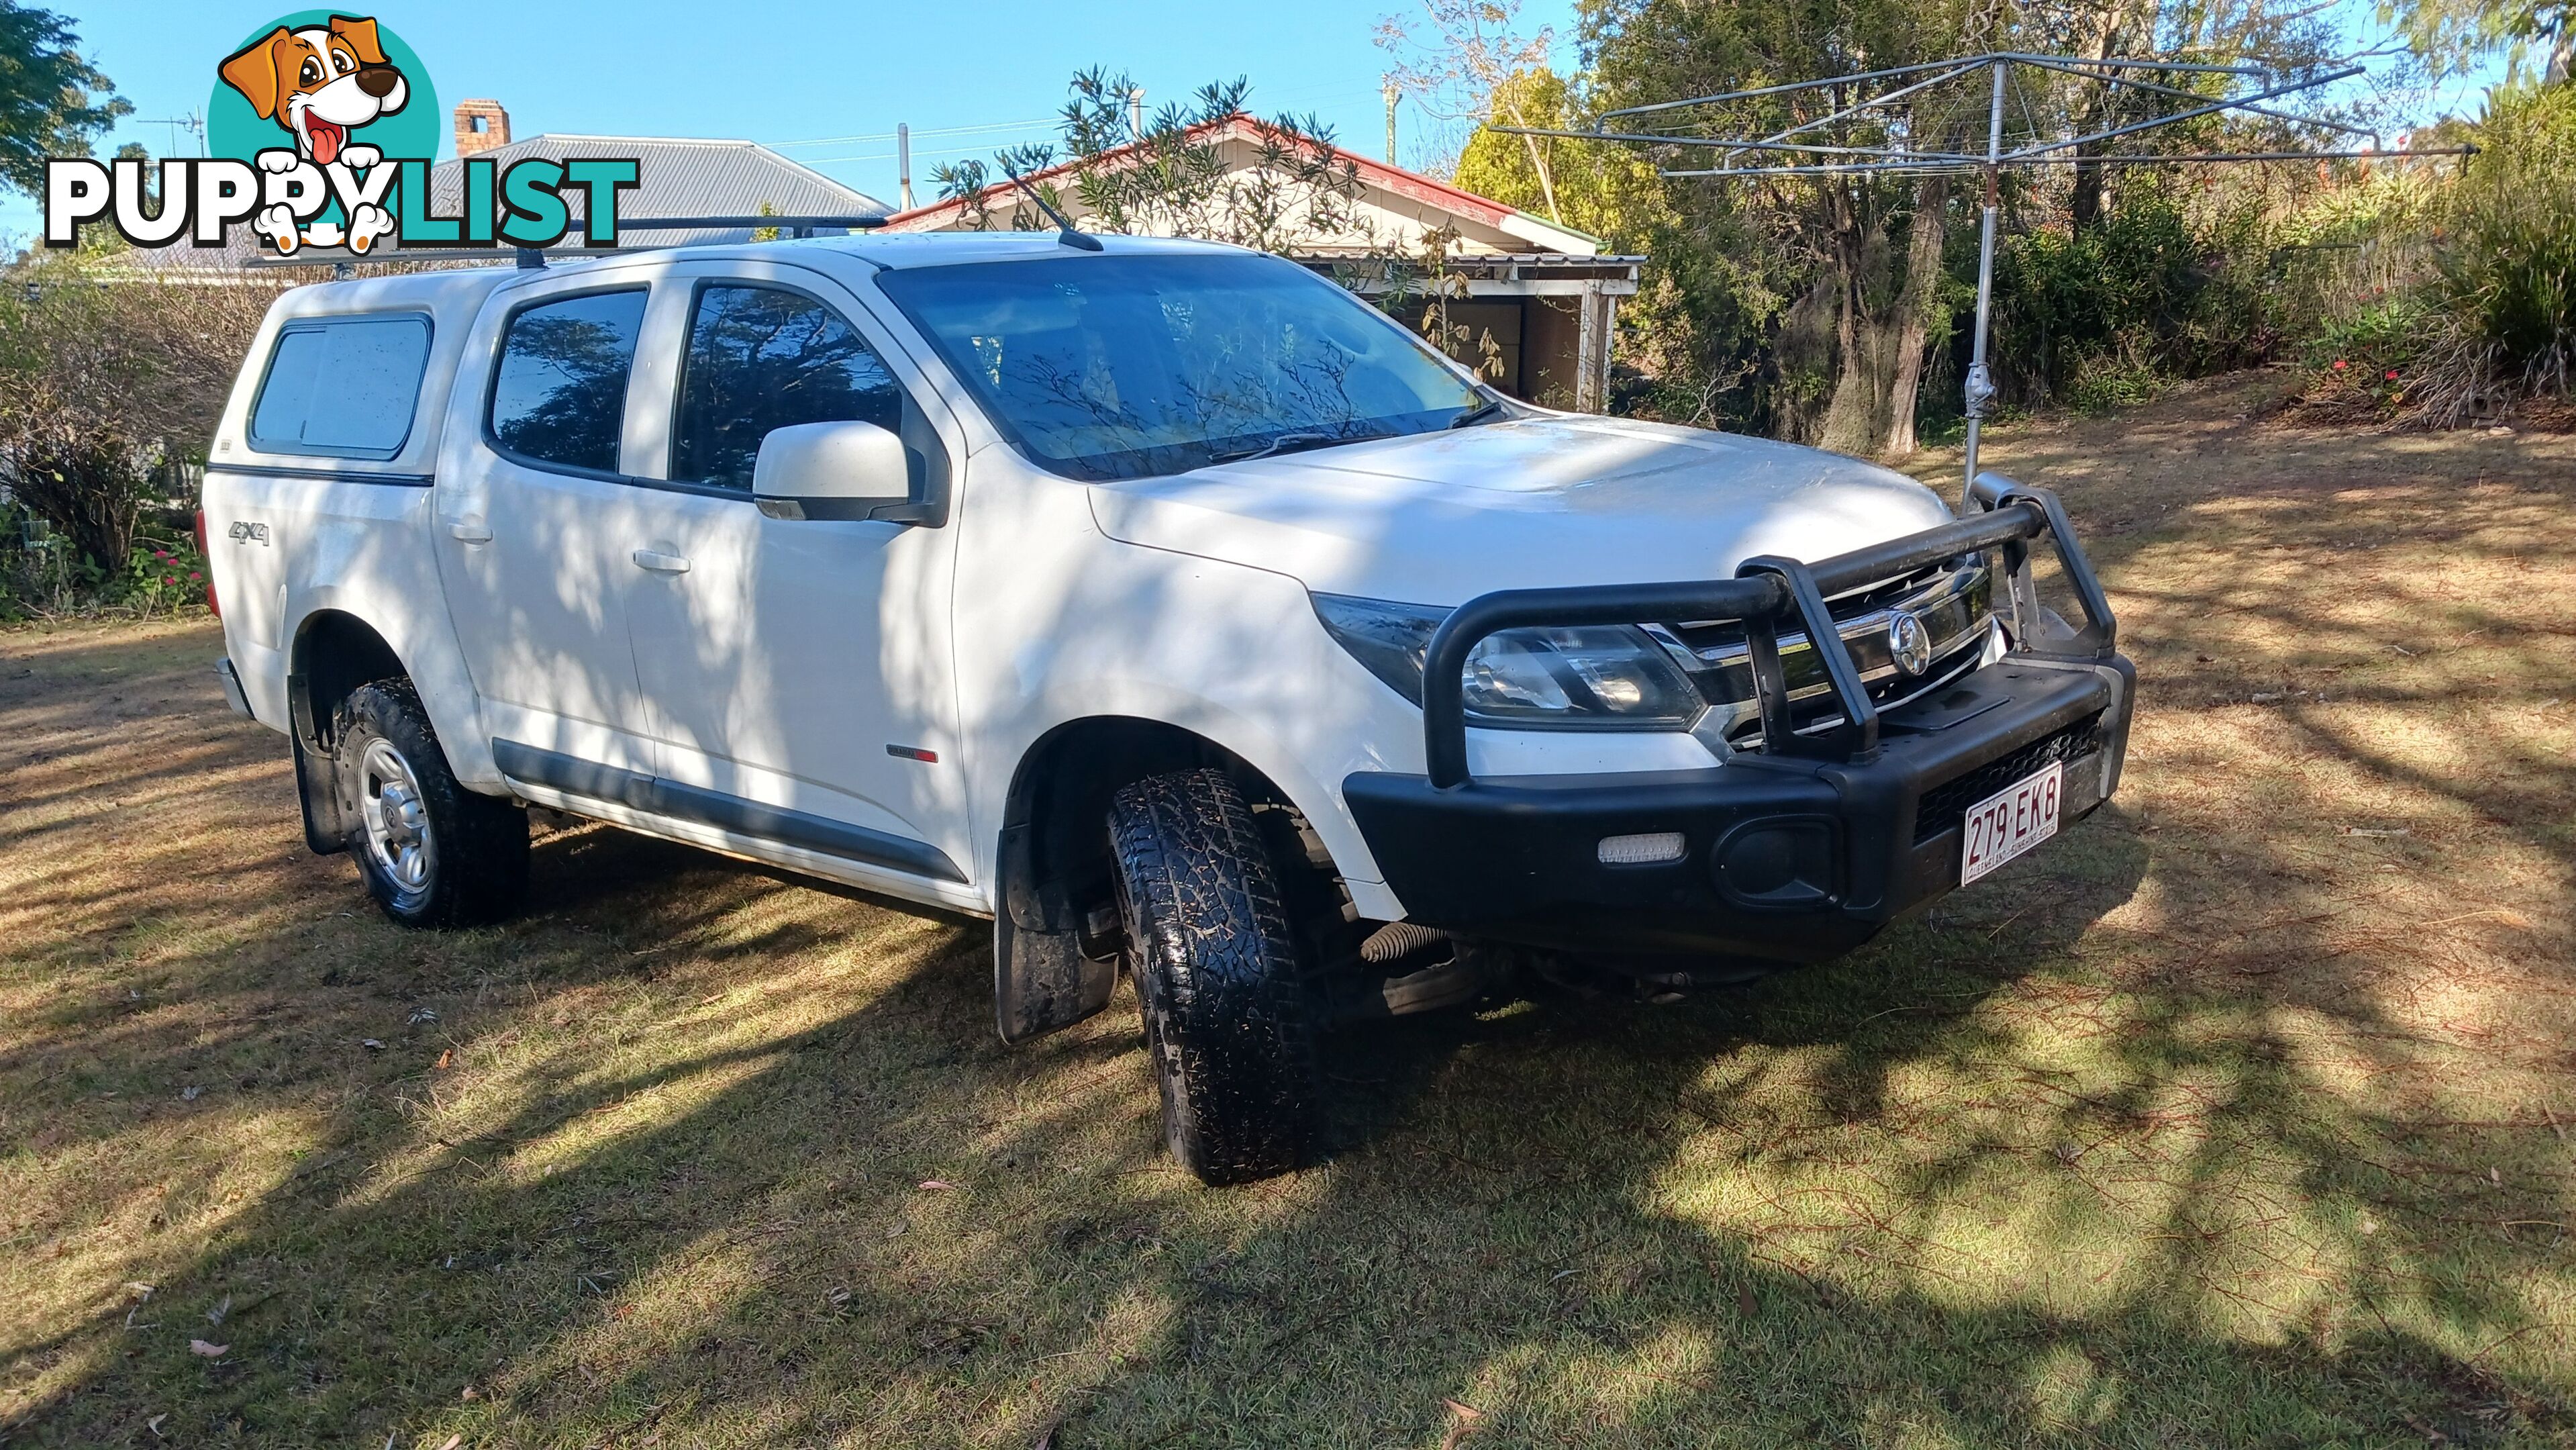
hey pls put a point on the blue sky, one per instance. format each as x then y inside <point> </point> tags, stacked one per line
<point>785,73</point>
<point>824,82</point>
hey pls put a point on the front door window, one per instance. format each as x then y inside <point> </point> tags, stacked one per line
<point>761,358</point>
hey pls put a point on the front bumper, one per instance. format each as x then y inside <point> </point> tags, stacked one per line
<point>1784,858</point>
<point>1802,850</point>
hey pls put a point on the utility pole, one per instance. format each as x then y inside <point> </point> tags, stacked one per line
<point>1392,93</point>
<point>1136,113</point>
<point>903,163</point>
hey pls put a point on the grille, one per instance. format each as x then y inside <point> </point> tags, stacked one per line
<point>1728,634</point>
<point>1950,599</point>
<point>1943,805</point>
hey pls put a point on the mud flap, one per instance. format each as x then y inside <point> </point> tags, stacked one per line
<point>317,780</point>
<point>1041,980</point>
<point>317,783</point>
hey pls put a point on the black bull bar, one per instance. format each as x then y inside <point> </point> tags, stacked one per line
<point>1767,592</point>
<point>1798,851</point>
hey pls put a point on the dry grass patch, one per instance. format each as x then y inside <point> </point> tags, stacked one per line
<point>2237,1117</point>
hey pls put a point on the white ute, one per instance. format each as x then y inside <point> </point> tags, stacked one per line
<point>1158,600</point>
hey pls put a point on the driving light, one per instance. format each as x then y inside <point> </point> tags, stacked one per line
<point>1596,677</point>
<point>1641,850</point>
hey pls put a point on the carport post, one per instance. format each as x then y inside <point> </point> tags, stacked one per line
<point>1592,349</point>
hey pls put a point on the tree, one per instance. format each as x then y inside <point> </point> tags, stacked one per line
<point>2454,37</point>
<point>1605,189</point>
<point>1468,71</point>
<point>1828,287</point>
<point>108,370</point>
<point>1167,175</point>
<point>51,101</point>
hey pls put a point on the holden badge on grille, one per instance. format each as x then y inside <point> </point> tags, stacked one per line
<point>1909,644</point>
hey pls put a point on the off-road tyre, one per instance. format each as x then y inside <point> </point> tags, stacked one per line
<point>1229,1016</point>
<point>472,866</point>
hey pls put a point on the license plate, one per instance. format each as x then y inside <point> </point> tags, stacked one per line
<point>2011,821</point>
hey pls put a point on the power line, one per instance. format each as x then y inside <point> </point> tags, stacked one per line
<point>917,131</point>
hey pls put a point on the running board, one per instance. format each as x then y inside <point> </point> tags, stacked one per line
<point>655,796</point>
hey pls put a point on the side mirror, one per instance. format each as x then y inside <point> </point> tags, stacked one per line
<point>838,471</point>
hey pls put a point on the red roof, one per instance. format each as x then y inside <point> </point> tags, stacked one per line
<point>1240,127</point>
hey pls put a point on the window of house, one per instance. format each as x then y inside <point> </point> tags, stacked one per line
<point>762,358</point>
<point>344,387</point>
<point>560,396</point>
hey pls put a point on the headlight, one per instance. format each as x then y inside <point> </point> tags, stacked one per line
<point>1594,677</point>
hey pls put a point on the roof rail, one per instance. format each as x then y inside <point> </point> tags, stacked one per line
<point>533,257</point>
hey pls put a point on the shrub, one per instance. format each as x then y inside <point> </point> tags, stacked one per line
<point>2096,318</point>
<point>2507,279</point>
<point>111,368</point>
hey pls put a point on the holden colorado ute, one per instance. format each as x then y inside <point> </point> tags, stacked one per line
<point>1161,601</point>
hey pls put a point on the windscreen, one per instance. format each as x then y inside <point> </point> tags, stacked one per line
<point>1126,366</point>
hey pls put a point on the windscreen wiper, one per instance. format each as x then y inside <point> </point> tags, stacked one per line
<point>1285,442</point>
<point>1476,414</point>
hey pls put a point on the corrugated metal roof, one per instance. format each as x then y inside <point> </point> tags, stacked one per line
<point>679,178</point>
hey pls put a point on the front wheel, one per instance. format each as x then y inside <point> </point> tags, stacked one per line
<point>432,853</point>
<point>1228,1017</point>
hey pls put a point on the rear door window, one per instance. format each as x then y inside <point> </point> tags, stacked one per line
<point>343,387</point>
<point>560,395</point>
<point>762,358</point>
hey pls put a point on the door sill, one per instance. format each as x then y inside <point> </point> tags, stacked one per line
<point>696,805</point>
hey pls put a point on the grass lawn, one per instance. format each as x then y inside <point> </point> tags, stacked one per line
<point>2238,1116</point>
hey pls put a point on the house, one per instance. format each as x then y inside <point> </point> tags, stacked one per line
<point>678,178</point>
<point>1546,293</point>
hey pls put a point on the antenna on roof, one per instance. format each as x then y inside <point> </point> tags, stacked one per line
<point>1065,235</point>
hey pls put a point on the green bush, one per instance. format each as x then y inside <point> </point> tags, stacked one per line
<point>2155,289</point>
<point>2111,379</point>
<point>41,576</point>
<point>2369,363</point>
<point>2508,256</point>
<point>161,576</point>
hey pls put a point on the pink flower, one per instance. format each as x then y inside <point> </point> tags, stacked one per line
<point>168,579</point>
<point>196,578</point>
<point>2392,375</point>
<point>2340,365</point>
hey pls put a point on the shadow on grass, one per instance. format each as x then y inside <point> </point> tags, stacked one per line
<point>1895,1194</point>
<point>2198,1127</point>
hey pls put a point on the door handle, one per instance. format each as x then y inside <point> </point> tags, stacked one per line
<point>661,563</point>
<point>470,531</point>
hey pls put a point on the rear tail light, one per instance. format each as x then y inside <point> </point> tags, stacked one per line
<point>206,561</point>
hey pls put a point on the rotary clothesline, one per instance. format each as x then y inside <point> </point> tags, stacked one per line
<point>1918,88</point>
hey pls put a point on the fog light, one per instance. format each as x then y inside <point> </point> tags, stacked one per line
<point>1645,850</point>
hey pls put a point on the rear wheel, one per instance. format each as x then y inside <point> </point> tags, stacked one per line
<point>1228,1016</point>
<point>433,854</point>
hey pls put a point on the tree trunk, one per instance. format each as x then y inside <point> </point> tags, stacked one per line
<point>1914,310</point>
<point>2091,114</point>
<point>89,493</point>
<point>1538,162</point>
<point>1860,375</point>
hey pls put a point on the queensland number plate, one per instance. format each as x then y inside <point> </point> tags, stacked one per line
<point>2011,821</point>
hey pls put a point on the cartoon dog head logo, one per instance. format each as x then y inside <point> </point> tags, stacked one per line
<point>320,83</point>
